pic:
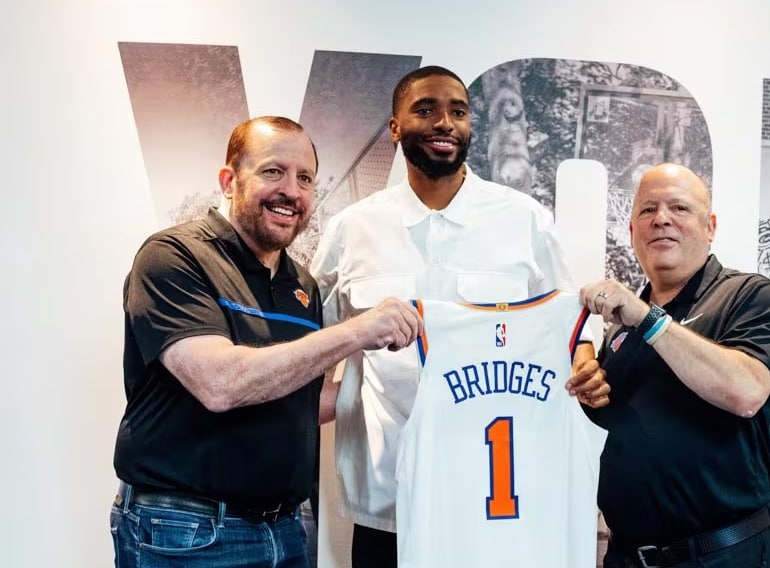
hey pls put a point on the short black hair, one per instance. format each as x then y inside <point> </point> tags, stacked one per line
<point>420,73</point>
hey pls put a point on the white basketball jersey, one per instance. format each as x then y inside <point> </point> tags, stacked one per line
<point>495,466</point>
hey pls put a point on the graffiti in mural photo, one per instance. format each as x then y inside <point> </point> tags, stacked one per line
<point>531,115</point>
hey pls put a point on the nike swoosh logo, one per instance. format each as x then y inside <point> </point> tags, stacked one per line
<point>692,319</point>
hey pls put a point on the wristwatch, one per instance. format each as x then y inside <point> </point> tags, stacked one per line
<point>655,313</point>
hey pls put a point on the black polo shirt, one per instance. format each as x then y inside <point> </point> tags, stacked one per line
<point>200,278</point>
<point>674,465</point>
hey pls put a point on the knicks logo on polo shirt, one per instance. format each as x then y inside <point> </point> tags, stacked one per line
<point>302,297</point>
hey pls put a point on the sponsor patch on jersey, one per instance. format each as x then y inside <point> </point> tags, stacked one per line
<point>302,297</point>
<point>500,339</point>
<point>617,342</point>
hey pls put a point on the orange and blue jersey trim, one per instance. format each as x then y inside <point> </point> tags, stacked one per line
<point>575,338</point>
<point>521,305</point>
<point>422,340</point>
<point>536,301</point>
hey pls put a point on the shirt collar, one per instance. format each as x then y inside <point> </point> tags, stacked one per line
<point>236,246</point>
<point>696,285</point>
<point>414,211</point>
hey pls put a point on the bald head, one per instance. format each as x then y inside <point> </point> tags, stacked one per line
<point>672,225</point>
<point>676,175</point>
<point>241,137</point>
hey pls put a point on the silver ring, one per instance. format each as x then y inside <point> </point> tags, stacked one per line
<point>603,294</point>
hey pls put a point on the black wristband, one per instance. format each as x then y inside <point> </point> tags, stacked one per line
<point>655,313</point>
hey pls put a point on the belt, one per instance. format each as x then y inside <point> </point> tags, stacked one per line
<point>661,556</point>
<point>128,494</point>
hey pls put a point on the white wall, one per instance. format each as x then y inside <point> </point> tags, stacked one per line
<point>77,201</point>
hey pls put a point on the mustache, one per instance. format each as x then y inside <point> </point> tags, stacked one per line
<point>282,200</point>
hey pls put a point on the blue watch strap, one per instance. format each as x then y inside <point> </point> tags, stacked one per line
<point>655,313</point>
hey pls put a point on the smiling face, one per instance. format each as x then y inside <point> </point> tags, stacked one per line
<point>433,125</point>
<point>272,188</point>
<point>672,225</point>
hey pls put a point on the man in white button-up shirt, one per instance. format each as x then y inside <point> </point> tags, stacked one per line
<point>444,234</point>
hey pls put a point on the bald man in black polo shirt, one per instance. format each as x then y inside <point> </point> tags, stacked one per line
<point>223,366</point>
<point>685,472</point>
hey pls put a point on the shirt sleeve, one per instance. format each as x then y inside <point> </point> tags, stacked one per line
<point>167,297</point>
<point>748,327</point>
<point>549,256</point>
<point>325,269</point>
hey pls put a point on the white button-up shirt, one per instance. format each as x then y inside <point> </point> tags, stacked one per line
<point>490,244</point>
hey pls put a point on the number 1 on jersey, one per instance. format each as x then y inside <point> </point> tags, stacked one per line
<point>502,503</point>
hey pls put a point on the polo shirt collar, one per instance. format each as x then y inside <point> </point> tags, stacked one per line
<point>696,285</point>
<point>246,258</point>
<point>414,211</point>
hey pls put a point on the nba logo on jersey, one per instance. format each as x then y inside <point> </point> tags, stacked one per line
<point>500,335</point>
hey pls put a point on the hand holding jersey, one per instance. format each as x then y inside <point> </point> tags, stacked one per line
<point>588,381</point>
<point>391,323</point>
<point>614,302</point>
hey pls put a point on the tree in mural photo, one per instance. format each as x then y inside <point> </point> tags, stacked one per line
<point>530,115</point>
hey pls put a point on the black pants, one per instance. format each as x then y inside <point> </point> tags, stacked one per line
<point>373,548</point>
<point>753,552</point>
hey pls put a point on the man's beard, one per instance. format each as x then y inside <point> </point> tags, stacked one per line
<point>249,218</point>
<point>433,168</point>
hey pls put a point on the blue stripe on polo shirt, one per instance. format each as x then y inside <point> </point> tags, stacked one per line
<point>224,302</point>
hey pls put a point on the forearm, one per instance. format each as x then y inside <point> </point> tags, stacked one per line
<point>584,352</point>
<point>588,381</point>
<point>328,402</point>
<point>727,378</point>
<point>223,376</point>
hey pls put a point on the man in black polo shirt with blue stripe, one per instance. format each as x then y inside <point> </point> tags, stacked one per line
<point>685,472</point>
<point>223,365</point>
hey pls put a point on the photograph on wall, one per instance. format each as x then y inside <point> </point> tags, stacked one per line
<point>346,111</point>
<point>186,99</point>
<point>527,117</point>
<point>763,234</point>
<point>530,115</point>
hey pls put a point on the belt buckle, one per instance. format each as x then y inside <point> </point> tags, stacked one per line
<point>641,552</point>
<point>272,516</point>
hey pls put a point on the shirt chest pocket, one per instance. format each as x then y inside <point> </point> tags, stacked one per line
<point>365,293</point>
<point>493,287</point>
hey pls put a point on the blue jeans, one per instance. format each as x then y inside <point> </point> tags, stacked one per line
<point>311,529</point>
<point>163,537</point>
